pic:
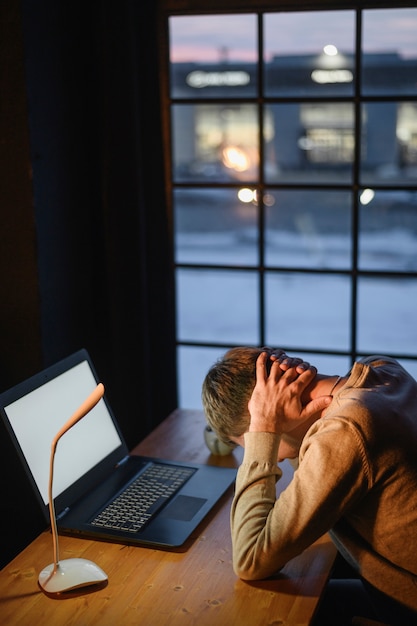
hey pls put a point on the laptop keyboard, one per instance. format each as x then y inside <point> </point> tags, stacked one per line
<point>143,497</point>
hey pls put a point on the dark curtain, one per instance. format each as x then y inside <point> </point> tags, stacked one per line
<point>104,240</point>
<point>92,264</point>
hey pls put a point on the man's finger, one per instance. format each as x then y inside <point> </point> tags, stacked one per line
<point>261,373</point>
<point>307,375</point>
<point>316,405</point>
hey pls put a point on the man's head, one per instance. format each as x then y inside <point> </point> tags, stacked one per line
<point>227,389</point>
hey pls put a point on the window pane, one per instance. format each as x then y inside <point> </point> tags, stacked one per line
<point>308,311</point>
<point>217,306</point>
<point>390,51</point>
<point>389,143</point>
<point>216,142</point>
<point>205,61</point>
<point>410,365</point>
<point>309,53</point>
<point>388,230</point>
<point>308,229</point>
<point>193,365</point>
<point>309,115</point>
<point>310,143</point>
<point>387,315</point>
<point>214,226</point>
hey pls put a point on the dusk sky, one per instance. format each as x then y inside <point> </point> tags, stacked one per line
<point>201,38</point>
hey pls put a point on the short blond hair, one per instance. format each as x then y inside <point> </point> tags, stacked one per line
<point>227,389</point>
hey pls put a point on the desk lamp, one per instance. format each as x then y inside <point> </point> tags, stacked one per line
<point>69,574</point>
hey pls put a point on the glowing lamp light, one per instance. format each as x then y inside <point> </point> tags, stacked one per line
<point>247,195</point>
<point>235,158</point>
<point>332,76</point>
<point>330,50</point>
<point>367,196</point>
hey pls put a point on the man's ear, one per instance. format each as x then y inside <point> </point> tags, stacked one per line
<point>239,441</point>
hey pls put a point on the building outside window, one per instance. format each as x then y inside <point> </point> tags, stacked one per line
<point>293,142</point>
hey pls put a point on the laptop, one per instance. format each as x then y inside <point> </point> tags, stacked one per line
<point>93,470</point>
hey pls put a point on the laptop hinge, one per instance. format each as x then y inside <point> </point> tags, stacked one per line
<point>123,461</point>
<point>62,513</point>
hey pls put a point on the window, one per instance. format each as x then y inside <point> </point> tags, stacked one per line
<point>293,180</point>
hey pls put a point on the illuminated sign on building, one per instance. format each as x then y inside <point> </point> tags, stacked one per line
<point>332,76</point>
<point>199,79</point>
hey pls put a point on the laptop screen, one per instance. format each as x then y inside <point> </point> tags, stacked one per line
<point>38,416</point>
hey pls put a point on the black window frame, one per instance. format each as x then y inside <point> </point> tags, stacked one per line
<point>354,273</point>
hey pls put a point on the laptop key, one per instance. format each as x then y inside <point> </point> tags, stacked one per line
<point>143,498</point>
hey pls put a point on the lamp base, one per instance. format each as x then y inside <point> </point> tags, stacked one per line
<point>70,574</point>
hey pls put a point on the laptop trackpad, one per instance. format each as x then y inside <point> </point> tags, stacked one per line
<point>183,508</point>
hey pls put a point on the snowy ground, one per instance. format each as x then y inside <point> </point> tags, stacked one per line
<point>301,309</point>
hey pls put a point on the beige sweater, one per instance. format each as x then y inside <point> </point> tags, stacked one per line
<point>357,478</point>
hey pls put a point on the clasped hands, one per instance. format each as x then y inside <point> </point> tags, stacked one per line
<point>275,405</point>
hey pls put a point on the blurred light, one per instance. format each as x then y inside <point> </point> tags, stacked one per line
<point>404,134</point>
<point>330,50</point>
<point>367,196</point>
<point>235,158</point>
<point>200,79</point>
<point>269,200</point>
<point>331,76</point>
<point>246,195</point>
<point>305,143</point>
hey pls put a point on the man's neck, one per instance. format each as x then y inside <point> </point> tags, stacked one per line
<point>322,385</point>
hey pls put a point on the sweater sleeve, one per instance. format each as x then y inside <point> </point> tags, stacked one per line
<point>268,531</point>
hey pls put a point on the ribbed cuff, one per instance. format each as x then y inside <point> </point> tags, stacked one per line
<point>261,447</point>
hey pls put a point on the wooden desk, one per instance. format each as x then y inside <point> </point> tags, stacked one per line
<point>194,586</point>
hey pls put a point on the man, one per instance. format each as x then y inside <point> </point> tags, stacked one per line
<point>355,438</point>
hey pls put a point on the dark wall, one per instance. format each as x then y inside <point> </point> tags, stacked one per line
<point>86,254</point>
<point>20,352</point>
<point>20,337</point>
